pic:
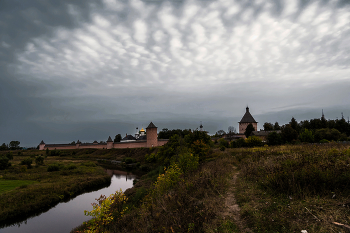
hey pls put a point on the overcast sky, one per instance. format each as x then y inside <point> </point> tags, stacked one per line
<point>87,70</point>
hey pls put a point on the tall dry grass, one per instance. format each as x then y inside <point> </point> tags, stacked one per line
<point>294,188</point>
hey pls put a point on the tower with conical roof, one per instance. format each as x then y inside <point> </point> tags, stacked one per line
<point>246,120</point>
<point>152,135</point>
<point>42,145</point>
<point>109,143</point>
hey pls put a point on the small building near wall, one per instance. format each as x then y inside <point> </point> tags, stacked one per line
<point>262,134</point>
<point>150,139</point>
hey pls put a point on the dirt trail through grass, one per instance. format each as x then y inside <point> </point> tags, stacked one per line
<point>232,211</point>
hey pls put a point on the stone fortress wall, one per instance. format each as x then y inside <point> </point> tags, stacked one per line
<point>151,141</point>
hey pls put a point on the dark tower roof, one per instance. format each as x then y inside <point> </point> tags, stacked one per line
<point>247,118</point>
<point>42,142</point>
<point>109,139</point>
<point>129,137</point>
<point>143,137</point>
<point>151,125</point>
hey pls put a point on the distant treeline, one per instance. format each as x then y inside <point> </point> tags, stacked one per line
<point>314,130</point>
<point>13,145</point>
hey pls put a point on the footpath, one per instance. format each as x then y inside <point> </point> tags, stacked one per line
<point>232,210</point>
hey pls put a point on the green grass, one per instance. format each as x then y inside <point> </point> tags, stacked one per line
<point>228,227</point>
<point>8,185</point>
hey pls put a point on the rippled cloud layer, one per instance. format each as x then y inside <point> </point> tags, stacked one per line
<point>191,56</point>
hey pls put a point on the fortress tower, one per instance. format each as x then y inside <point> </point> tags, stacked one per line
<point>246,120</point>
<point>152,136</point>
<point>109,143</point>
<point>42,145</point>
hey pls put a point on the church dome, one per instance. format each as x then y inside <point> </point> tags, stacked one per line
<point>142,130</point>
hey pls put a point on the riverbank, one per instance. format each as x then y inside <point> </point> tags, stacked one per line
<point>30,191</point>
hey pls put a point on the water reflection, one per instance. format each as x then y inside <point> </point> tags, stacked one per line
<point>65,216</point>
<point>122,174</point>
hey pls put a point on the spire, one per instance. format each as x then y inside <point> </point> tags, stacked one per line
<point>109,139</point>
<point>42,142</point>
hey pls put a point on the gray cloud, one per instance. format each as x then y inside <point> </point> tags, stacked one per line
<point>85,63</point>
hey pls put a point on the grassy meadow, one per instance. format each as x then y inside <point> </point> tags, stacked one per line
<point>8,185</point>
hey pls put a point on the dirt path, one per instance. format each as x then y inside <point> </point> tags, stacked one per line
<point>232,210</point>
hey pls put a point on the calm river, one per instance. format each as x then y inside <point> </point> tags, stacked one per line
<point>66,216</point>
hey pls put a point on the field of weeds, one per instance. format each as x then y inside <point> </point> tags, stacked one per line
<point>191,204</point>
<point>294,188</point>
<point>286,188</point>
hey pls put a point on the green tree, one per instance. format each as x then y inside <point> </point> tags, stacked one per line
<point>324,123</point>
<point>28,162</point>
<point>14,145</point>
<point>54,153</point>
<point>315,124</point>
<point>9,155</point>
<point>304,124</point>
<point>197,135</point>
<point>335,134</point>
<point>274,139</point>
<point>328,134</point>
<point>187,162</point>
<point>268,126</point>
<point>4,162</point>
<point>288,133</point>
<point>240,142</point>
<point>294,124</point>
<point>321,134</point>
<point>306,136</point>
<point>223,142</point>
<point>166,133</point>
<point>170,149</point>
<point>4,147</point>
<point>249,130</point>
<point>200,149</point>
<point>39,160</point>
<point>341,125</point>
<point>276,126</point>
<point>117,138</point>
<point>253,141</point>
